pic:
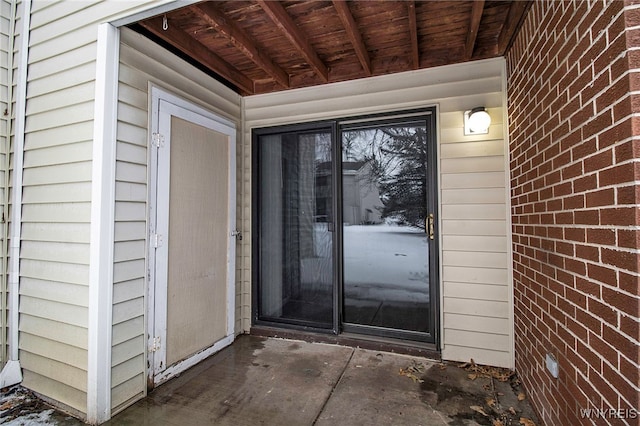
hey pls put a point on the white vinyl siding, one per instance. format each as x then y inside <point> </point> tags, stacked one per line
<point>142,63</point>
<point>56,210</point>
<point>474,247</point>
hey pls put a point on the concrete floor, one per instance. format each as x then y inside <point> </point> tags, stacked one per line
<point>265,381</point>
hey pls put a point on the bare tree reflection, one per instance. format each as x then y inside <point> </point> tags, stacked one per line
<point>397,158</point>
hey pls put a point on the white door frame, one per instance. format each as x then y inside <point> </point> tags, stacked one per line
<point>164,105</point>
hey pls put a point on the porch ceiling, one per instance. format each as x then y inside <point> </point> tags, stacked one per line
<point>260,46</point>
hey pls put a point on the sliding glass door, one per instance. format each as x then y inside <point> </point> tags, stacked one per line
<point>344,226</point>
<point>385,228</point>
<point>296,266</point>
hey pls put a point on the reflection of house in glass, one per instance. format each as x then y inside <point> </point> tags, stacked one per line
<point>361,203</point>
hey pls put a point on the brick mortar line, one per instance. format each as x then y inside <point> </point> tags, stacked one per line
<point>597,390</point>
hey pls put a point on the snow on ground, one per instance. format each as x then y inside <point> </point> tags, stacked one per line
<point>20,407</point>
<point>32,419</point>
<point>386,262</point>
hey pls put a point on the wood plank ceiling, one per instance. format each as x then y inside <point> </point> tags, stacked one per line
<point>261,46</point>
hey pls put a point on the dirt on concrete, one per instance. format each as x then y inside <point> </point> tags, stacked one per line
<point>470,393</point>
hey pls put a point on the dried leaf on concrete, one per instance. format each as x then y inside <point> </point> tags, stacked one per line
<point>413,370</point>
<point>497,422</point>
<point>501,374</point>
<point>479,409</point>
<point>526,422</point>
<point>521,396</point>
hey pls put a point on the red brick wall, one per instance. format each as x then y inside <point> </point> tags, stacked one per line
<point>574,170</point>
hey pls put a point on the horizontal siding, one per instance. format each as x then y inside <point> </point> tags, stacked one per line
<point>474,252</point>
<point>476,290</point>
<point>57,194</point>
<point>141,62</point>
<point>45,384</point>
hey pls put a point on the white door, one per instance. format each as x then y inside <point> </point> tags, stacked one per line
<point>192,248</point>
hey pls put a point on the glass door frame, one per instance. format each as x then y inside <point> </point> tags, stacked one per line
<point>329,126</point>
<point>428,115</point>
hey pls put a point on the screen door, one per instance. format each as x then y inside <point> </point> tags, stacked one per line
<point>191,238</point>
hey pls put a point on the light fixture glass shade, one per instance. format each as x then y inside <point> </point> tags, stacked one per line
<point>476,121</point>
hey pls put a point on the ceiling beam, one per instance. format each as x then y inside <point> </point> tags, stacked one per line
<point>193,48</point>
<point>474,25</point>
<point>240,39</point>
<point>289,28</point>
<point>354,34</point>
<point>511,24</point>
<point>413,34</point>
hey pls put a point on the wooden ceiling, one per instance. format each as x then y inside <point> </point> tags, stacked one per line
<point>260,46</point>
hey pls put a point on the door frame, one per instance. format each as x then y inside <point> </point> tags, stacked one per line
<point>165,104</point>
<point>433,207</point>
<point>430,115</point>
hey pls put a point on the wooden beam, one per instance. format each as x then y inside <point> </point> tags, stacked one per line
<point>193,48</point>
<point>353,33</point>
<point>240,39</point>
<point>476,16</point>
<point>289,28</point>
<point>517,11</point>
<point>413,34</point>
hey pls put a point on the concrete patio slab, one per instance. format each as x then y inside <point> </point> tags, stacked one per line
<point>254,381</point>
<point>271,381</point>
<point>372,392</point>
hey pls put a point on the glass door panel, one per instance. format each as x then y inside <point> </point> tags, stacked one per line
<point>384,228</point>
<point>295,230</point>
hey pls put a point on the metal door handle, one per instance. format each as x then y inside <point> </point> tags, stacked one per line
<point>431,233</point>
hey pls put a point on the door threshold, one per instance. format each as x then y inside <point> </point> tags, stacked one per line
<point>374,343</point>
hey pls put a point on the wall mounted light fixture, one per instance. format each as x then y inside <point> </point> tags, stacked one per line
<point>476,121</point>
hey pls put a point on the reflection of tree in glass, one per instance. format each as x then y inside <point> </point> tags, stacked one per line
<point>403,186</point>
<point>398,158</point>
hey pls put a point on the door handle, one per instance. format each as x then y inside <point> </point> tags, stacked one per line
<point>431,233</point>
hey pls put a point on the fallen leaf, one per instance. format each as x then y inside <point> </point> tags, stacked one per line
<point>491,402</point>
<point>497,422</point>
<point>410,375</point>
<point>480,410</point>
<point>442,366</point>
<point>521,396</point>
<point>526,422</point>
<point>6,406</point>
<point>472,376</point>
<point>512,410</point>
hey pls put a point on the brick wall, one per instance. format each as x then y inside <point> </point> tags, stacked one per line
<point>574,147</point>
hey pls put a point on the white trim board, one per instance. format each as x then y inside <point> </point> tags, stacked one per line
<point>102,226</point>
<point>12,373</point>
